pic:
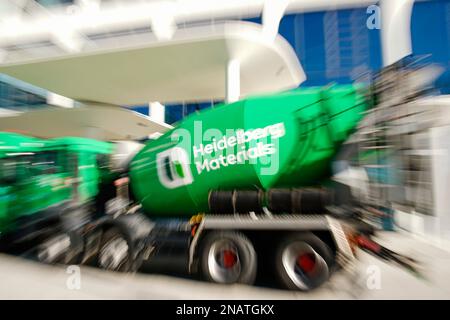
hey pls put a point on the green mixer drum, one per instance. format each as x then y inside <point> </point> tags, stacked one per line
<point>283,140</point>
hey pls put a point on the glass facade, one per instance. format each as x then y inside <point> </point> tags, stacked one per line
<point>337,46</point>
<point>176,112</point>
<point>48,3</point>
<point>17,96</point>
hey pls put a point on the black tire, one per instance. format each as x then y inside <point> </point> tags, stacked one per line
<point>115,252</point>
<point>304,275</point>
<point>241,269</point>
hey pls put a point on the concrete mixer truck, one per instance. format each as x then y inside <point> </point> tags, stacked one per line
<point>227,190</point>
<point>258,171</point>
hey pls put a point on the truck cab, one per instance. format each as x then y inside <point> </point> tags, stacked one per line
<point>47,191</point>
<point>86,161</point>
<point>31,179</point>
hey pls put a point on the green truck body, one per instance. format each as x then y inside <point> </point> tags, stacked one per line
<point>36,174</point>
<point>283,140</point>
<point>280,141</point>
<point>275,141</point>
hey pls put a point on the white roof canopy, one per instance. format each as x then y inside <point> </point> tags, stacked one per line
<point>96,122</point>
<point>189,67</point>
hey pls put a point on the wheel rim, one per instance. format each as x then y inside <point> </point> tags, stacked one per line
<point>113,254</point>
<point>224,264</point>
<point>304,266</point>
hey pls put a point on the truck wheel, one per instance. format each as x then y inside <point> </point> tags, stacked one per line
<point>303,261</point>
<point>114,253</point>
<point>228,257</point>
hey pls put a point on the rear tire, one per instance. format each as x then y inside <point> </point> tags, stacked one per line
<point>228,257</point>
<point>115,252</point>
<point>303,261</point>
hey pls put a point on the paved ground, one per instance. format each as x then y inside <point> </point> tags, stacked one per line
<point>25,280</point>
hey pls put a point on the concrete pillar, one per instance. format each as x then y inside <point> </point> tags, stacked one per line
<point>157,112</point>
<point>232,81</point>
<point>396,30</point>
<point>272,14</point>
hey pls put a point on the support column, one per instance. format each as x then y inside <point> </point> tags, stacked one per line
<point>396,30</point>
<point>232,81</point>
<point>272,14</point>
<point>157,112</point>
